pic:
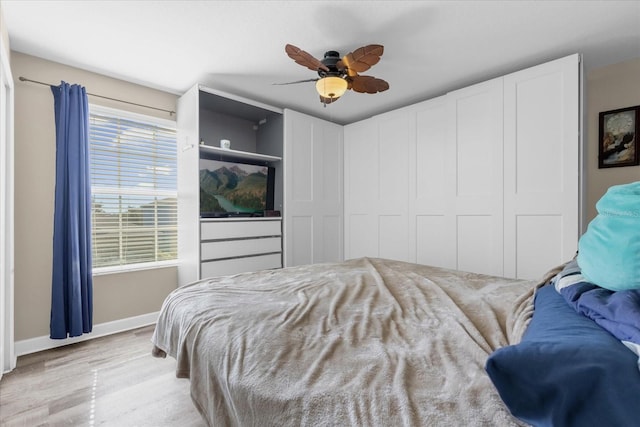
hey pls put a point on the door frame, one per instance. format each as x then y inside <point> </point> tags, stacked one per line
<point>7,350</point>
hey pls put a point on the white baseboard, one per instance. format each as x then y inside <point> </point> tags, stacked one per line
<point>33,345</point>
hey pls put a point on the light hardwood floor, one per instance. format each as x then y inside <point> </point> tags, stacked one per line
<point>108,381</point>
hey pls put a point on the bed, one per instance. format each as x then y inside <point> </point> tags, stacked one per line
<point>376,342</point>
<point>364,342</point>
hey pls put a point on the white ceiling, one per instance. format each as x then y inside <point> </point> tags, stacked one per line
<point>431,47</point>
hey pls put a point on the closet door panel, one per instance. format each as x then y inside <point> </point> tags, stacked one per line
<point>313,190</point>
<point>393,146</point>
<point>361,166</point>
<point>431,132</point>
<point>302,249</point>
<point>476,243</point>
<point>535,256</point>
<point>542,167</point>
<point>377,187</point>
<point>331,152</point>
<point>393,237</point>
<point>475,178</point>
<point>538,135</point>
<point>328,239</point>
<point>475,142</point>
<point>332,240</point>
<point>433,243</point>
<point>393,206</point>
<point>362,236</point>
<point>361,189</point>
<point>302,164</point>
<point>430,233</point>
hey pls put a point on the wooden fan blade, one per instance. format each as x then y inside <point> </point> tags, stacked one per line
<point>363,58</point>
<point>368,84</point>
<point>304,58</point>
<point>297,81</point>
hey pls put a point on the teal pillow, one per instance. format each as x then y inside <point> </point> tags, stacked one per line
<point>609,251</point>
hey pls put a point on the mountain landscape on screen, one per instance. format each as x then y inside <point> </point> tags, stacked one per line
<point>237,188</point>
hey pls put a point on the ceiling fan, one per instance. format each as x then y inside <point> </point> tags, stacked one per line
<point>337,75</point>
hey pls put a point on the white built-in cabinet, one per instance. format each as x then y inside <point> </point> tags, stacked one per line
<point>306,154</point>
<point>483,179</point>
<point>216,247</point>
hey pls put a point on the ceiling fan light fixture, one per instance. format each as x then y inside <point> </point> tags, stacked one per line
<point>331,87</point>
<point>337,75</point>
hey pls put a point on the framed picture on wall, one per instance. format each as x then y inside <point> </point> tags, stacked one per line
<point>618,137</point>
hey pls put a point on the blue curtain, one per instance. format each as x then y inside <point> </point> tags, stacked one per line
<point>72,282</point>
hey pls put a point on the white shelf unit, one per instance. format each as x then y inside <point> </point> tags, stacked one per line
<point>256,132</point>
<point>238,155</point>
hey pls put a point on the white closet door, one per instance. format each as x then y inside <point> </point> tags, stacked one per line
<point>394,136</point>
<point>542,155</point>
<point>474,177</point>
<point>361,170</point>
<point>483,179</point>
<point>313,176</point>
<point>430,232</point>
<point>377,187</point>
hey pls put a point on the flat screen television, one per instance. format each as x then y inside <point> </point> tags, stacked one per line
<point>233,188</point>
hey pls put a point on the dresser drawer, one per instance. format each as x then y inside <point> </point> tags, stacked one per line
<point>236,248</point>
<point>227,267</point>
<point>213,230</point>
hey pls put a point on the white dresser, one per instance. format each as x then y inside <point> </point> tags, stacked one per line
<point>236,245</point>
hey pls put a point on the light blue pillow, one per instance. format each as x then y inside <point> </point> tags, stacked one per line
<point>609,251</point>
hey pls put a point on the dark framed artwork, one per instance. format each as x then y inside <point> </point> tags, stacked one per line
<point>618,137</point>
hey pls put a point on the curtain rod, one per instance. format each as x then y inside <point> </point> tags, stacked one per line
<point>171,112</point>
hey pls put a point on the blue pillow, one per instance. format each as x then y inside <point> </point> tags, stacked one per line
<point>609,251</point>
<point>567,371</point>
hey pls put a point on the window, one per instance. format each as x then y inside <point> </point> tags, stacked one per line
<point>133,190</point>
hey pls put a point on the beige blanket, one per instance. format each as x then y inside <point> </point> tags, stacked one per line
<point>367,342</point>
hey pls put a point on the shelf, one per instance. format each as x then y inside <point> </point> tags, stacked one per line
<point>239,155</point>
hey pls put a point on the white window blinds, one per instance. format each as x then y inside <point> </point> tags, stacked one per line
<point>133,188</point>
